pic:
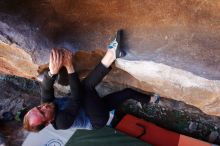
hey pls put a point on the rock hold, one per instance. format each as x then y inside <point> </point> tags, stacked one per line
<point>172,47</point>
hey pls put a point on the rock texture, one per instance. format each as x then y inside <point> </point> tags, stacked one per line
<point>183,119</point>
<point>15,61</point>
<point>173,46</point>
<point>176,84</point>
<point>16,93</point>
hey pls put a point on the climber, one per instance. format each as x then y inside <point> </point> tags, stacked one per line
<point>84,108</point>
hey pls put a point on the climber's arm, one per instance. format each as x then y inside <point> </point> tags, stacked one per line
<point>55,63</point>
<point>73,76</point>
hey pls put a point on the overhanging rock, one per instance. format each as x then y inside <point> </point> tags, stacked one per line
<point>175,83</point>
<point>173,47</point>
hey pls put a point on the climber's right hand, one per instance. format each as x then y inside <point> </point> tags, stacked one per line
<point>56,61</point>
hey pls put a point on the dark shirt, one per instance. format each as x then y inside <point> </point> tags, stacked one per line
<point>64,117</point>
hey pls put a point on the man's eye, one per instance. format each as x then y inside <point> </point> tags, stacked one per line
<point>39,109</point>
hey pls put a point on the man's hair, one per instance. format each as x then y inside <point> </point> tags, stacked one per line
<point>28,127</point>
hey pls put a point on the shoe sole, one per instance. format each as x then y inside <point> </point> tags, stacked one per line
<point>119,52</point>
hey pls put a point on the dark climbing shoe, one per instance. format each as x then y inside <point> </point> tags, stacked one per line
<point>116,44</point>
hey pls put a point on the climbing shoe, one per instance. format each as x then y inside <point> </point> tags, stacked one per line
<point>115,44</point>
<point>155,98</point>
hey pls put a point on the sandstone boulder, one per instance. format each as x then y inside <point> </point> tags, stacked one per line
<point>173,47</point>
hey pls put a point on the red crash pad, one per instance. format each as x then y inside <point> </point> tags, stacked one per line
<point>154,134</point>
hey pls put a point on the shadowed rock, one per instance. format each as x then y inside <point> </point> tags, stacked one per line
<point>178,38</point>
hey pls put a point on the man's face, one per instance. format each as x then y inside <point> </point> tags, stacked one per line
<point>43,113</point>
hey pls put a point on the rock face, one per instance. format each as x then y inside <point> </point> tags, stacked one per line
<point>173,46</point>
<point>175,83</point>
<point>15,93</point>
<point>16,61</point>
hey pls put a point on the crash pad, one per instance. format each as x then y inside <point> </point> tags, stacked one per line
<point>103,137</point>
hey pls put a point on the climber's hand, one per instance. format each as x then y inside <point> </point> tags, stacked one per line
<point>56,61</point>
<point>68,61</point>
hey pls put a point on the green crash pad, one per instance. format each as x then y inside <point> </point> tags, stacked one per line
<point>103,137</point>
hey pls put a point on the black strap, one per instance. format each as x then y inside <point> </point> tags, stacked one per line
<point>143,131</point>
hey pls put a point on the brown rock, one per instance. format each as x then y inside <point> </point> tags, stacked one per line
<point>172,46</point>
